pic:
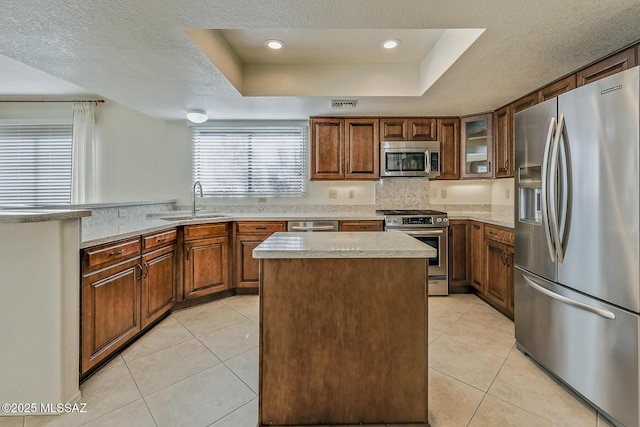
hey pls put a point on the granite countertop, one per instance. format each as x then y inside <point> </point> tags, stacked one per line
<point>97,234</point>
<point>372,244</point>
<point>488,217</point>
<point>39,215</point>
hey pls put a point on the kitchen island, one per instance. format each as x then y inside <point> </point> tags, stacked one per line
<point>343,329</point>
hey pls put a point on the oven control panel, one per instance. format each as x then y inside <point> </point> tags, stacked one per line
<point>416,221</point>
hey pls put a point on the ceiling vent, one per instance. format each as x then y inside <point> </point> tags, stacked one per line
<point>344,103</point>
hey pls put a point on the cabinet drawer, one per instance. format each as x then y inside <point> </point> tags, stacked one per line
<point>202,231</point>
<point>500,234</point>
<point>360,225</point>
<point>165,237</point>
<point>110,253</point>
<point>259,227</point>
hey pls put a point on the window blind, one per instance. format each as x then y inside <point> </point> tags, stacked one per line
<point>35,164</point>
<point>254,162</point>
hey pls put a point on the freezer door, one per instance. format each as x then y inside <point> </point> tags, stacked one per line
<point>599,188</point>
<point>533,250</point>
<point>590,345</point>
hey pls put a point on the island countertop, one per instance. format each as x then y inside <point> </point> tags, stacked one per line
<point>374,244</point>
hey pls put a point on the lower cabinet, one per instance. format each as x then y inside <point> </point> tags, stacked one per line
<point>126,286</point>
<point>477,255</point>
<point>206,260</point>
<point>369,225</point>
<point>109,299</point>
<point>158,284</point>
<point>248,235</point>
<point>498,261</point>
<point>458,255</point>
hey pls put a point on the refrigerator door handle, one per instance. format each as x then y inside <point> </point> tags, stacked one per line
<point>545,190</point>
<point>565,188</point>
<point>553,173</point>
<point>599,311</point>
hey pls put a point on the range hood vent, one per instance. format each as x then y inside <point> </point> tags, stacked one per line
<point>344,103</point>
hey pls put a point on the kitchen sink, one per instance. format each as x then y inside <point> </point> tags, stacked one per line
<point>184,217</point>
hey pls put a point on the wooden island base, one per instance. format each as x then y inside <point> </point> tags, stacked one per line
<point>343,341</point>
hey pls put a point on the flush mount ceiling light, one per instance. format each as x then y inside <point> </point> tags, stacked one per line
<point>274,44</point>
<point>391,43</point>
<point>197,116</point>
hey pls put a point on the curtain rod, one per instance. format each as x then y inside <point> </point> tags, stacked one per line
<point>97,101</point>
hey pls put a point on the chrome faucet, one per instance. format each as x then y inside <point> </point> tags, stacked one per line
<point>195,184</point>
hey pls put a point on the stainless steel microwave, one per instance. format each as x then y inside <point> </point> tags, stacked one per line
<point>410,158</point>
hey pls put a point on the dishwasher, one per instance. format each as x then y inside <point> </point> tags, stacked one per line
<point>312,225</point>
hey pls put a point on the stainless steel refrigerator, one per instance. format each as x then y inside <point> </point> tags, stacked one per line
<point>577,275</point>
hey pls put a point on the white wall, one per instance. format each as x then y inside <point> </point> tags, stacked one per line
<point>483,192</point>
<point>139,157</point>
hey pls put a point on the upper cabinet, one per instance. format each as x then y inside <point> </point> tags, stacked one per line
<point>476,146</point>
<point>327,148</point>
<point>608,66</point>
<point>408,129</point>
<point>345,148</point>
<point>557,88</point>
<point>362,147</point>
<point>449,131</point>
<point>503,143</point>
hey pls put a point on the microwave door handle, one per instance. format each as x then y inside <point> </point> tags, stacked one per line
<point>428,162</point>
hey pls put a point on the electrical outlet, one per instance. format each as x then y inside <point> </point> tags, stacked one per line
<point>123,213</point>
<point>352,193</point>
<point>434,193</point>
<point>262,200</point>
<point>333,193</point>
<point>507,193</point>
<point>443,193</point>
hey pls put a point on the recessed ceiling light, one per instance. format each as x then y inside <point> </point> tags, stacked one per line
<point>391,43</point>
<point>197,116</point>
<point>274,44</point>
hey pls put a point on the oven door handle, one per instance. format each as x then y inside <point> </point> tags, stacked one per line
<point>421,232</point>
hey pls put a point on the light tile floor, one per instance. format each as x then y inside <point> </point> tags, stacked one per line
<point>199,367</point>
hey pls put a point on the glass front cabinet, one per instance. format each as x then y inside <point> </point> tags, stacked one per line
<point>476,146</point>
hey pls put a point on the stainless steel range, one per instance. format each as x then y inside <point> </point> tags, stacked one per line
<point>432,228</point>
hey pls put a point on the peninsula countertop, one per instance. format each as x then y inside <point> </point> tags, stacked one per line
<point>373,244</point>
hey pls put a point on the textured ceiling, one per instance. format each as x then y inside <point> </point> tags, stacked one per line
<point>138,54</point>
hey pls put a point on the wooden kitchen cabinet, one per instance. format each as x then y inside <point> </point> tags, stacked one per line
<point>449,132</point>
<point>327,148</point>
<point>109,300</point>
<point>498,258</point>
<point>503,142</point>
<point>345,148</point>
<point>477,255</point>
<point>362,158</point>
<point>248,235</point>
<point>206,259</point>
<point>476,146</point>
<point>394,129</point>
<point>524,103</point>
<point>458,255</point>
<point>361,225</point>
<point>159,275</point>
<point>608,66</point>
<point>554,89</point>
<point>408,129</point>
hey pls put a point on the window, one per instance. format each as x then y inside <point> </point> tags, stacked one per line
<point>35,164</point>
<point>250,161</point>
